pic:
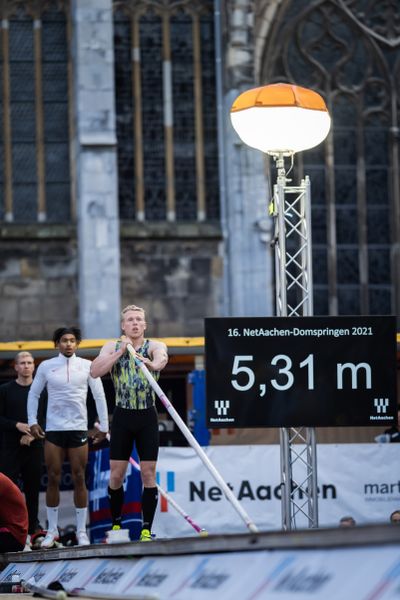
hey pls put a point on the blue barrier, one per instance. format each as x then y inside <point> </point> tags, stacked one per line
<point>197,416</point>
<point>99,510</point>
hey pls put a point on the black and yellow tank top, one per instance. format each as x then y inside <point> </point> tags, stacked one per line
<point>132,390</point>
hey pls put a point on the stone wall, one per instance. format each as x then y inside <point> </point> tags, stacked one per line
<point>176,278</point>
<point>175,275</point>
<point>95,156</point>
<point>38,281</point>
<point>245,190</point>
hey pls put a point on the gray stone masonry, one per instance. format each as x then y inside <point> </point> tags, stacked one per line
<point>95,158</point>
<point>38,285</point>
<point>174,277</point>
<point>248,258</point>
<point>174,280</point>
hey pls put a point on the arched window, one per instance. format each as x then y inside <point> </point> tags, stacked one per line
<point>34,112</point>
<point>348,50</point>
<point>166,110</point>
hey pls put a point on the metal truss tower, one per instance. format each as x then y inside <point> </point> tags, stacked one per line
<point>291,209</point>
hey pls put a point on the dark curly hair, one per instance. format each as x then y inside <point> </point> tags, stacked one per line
<point>57,335</point>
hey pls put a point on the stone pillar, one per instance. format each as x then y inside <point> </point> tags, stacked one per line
<point>247,229</point>
<point>95,161</point>
<point>250,256</point>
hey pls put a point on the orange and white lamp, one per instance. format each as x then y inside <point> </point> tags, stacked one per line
<point>281,118</point>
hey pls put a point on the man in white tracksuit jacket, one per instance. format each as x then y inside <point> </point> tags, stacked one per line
<point>67,378</point>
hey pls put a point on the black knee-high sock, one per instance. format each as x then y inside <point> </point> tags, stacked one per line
<point>149,505</point>
<point>116,499</point>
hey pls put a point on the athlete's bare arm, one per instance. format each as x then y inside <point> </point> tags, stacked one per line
<point>159,356</point>
<point>107,358</point>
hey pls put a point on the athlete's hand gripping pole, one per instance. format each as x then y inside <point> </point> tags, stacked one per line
<point>193,442</point>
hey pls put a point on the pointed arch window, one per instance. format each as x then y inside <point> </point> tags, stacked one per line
<point>347,50</point>
<point>166,110</point>
<point>35,112</point>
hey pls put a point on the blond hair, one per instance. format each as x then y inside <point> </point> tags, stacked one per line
<point>132,307</point>
<point>22,355</point>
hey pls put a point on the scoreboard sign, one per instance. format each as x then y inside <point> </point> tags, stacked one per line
<point>301,371</point>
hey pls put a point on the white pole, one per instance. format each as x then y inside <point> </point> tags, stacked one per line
<point>193,442</point>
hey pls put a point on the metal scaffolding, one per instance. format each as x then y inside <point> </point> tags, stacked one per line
<point>291,208</point>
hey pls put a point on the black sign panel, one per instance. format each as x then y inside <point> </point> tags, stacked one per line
<point>301,371</point>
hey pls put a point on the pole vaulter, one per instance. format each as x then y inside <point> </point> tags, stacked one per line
<point>192,441</point>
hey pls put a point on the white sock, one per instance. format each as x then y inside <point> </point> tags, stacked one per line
<point>81,517</point>
<point>52,517</point>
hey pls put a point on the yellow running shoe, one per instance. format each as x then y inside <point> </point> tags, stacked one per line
<point>145,536</point>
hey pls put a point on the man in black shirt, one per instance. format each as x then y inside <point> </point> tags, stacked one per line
<point>21,455</point>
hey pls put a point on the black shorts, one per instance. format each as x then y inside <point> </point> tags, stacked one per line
<point>131,426</point>
<point>67,439</point>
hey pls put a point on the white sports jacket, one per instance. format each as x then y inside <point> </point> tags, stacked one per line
<point>67,381</point>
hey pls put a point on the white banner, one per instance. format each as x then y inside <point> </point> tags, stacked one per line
<point>361,480</point>
<point>368,573</point>
<point>23,570</point>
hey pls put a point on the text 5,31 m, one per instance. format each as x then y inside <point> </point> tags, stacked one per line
<point>244,376</point>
